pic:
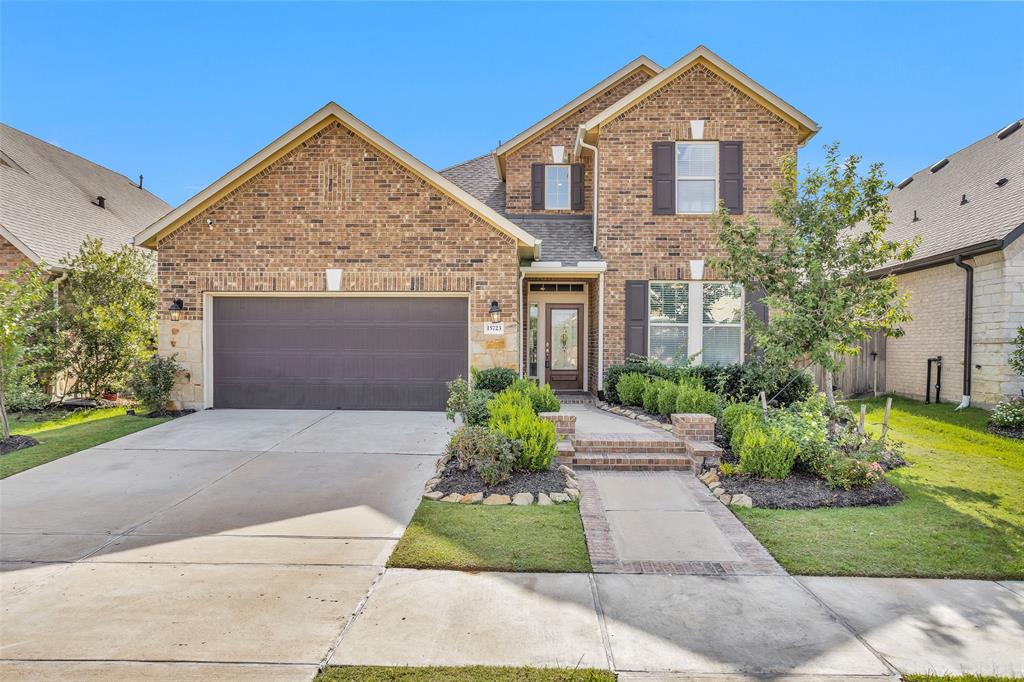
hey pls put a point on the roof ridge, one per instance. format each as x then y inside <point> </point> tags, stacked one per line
<point>962,149</point>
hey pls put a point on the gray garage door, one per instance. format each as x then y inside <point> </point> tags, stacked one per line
<point>337,352</point>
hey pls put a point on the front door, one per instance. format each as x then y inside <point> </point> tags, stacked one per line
<point>563,347</point>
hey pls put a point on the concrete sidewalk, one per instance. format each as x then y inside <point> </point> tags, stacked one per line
<point>678,627</point>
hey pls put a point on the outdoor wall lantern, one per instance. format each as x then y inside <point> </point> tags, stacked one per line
<point>495,312</point>
<point>176,307</point>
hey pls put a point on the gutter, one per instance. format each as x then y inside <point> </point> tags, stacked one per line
<point>968,328</point>
<point>597,170</point>
<point>950,256</point>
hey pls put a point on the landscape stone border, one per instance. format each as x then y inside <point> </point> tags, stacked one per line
<point>755,559</point>
<point>569,493</point>
<point>710,479</point>
<point>642,417</point>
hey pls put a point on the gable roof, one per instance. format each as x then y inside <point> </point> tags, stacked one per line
<point>705,57</point>
<point>328,114</point>
<point>993,215</point>
<point>479,177</point>
<point>641,63</point>
<point>47,195</point>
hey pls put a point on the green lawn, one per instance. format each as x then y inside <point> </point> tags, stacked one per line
<point>465,537</point>
<point>468,674</point>
<point>963,516</point>
<point>62,433</point>
<point>958,678</point>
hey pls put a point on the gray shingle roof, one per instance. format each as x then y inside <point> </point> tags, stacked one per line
<point>568,239</point>
<point>991,211</point>
<point>479,177</point>
<point>46,197</point>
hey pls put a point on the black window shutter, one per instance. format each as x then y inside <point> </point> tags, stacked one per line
<point>576,171</point>
<point>636,317</point>
<point>755,308</point>
<point>537,187</point>
<point>663,169</point>
<point>730,175</point>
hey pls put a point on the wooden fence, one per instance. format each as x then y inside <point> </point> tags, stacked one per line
<point>864,373</point>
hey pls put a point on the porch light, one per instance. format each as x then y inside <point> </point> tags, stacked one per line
<point>176,307</point>
<point>495,312</point>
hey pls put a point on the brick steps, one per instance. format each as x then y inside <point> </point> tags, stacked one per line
<point>600,446</point>
<point>627,461</point>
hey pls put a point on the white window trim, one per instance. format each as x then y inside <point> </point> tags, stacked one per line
<point>695,332</point>
<point>696,177</point>
<point>568,185</point>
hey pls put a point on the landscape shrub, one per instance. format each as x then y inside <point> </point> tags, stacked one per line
<point>512,414</point>
<point>21,390</point>
<point>732,414</point>
<point>1008,414</point>
<point>151,382</point>
<point>471,404</point>
<point>541,397</point>
<point>767,452</point>
<point>843,471</point>
<point>745,422</point>
<point>743,382</point>
<point>695,399</point>
<point>495,379</point>
<point>489,452</point>
<point>640,365</point>
<point>651,392</point>
<point>667,396</point>
<point>631,388</point>
<point>806,424</point>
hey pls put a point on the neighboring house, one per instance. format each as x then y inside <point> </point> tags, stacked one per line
<point>51,200</point>
<point>334,270</point>
<point>966,279</point>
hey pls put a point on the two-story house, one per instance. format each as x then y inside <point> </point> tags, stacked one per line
<point>334,270</point>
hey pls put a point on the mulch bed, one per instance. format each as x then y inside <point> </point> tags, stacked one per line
<point>174,414</point>
<point>801,490</point>
<point>464,482</point>
<point>16,443</point>
<point>1007,431</point>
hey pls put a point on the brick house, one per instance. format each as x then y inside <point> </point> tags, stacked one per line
<point>966,279</point>
<point>51,200</point>
<point>334,270</point>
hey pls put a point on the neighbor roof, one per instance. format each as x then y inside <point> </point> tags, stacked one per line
<point>47,195</point>
<point>993,214</point>
<point>703,56</point>
<point>641,63</point>
<point>290,140</point>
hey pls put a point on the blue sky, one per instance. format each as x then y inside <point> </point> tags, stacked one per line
<point>183,92</point>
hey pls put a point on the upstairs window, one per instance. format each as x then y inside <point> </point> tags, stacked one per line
<point>696,177</point>
<point>556,188</point>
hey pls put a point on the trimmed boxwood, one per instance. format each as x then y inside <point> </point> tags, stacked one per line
<point>495,379</point>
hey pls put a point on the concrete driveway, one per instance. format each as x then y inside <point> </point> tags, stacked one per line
<point>224,544</point>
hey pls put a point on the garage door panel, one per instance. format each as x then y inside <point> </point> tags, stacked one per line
<point>337,352</point>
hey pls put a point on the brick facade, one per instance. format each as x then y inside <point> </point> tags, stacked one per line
<point>538,150</point>
<point>387,229</point>
<point>936,302</point>
<point>639,245</point>
<point>10,257</point>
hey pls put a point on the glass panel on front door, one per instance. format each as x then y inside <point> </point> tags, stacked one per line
<point>564,339</point>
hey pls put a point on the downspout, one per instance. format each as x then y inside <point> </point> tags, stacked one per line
<point>968,328</point>
<point>519,335</point>
<point>600,333</point>
<point>597,171</point>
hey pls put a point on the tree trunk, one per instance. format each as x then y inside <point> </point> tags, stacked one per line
<point>830,395</point>
<point>4,424</point>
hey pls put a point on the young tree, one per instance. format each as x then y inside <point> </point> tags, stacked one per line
<point>107,317</point>
<point>1017,354</point>
<point>26,313</point>
<point>814,263</point>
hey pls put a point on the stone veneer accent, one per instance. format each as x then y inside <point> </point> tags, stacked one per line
<point>10,257</point>
<point>388,230</point>
<point>538,150</point>
<point>936,302</point>
<point>641,246</point>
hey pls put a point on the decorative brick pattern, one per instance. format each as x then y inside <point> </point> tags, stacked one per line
<point>10,257</point>
<point>694,426</point>
<point>538,150</point>
<point>387,229</point>
<point>754,558</point>
<point>641,246</point>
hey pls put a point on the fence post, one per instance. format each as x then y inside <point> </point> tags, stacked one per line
<point>885,421</point>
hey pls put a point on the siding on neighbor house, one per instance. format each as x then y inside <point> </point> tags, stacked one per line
<point>937,304</point>
<point>10,257</point>
<point>538,150</point>
<point>639,245</point>
<point>388,230</point>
